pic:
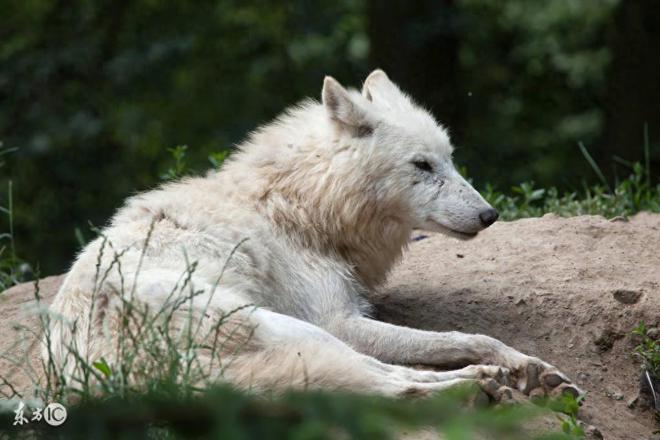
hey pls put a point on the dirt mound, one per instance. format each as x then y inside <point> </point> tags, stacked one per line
<point>566,290</point>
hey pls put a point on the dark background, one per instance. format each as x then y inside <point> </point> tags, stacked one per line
<point>94,92</point>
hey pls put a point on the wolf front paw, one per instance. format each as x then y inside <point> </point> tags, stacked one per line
<point>537,379</point>
<point>496,391</point>
<point>494,382</point>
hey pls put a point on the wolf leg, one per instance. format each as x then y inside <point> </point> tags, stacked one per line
<point>397,344</point>
<point>290,353</point>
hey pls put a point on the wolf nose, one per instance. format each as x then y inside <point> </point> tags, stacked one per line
<point>488,217</point>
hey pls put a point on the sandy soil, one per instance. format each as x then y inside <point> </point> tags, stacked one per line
<point>566,290</point>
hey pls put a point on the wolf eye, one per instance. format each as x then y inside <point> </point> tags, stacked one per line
<point>423,165</point>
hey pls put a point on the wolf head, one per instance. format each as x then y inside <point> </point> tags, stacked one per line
<point>413,153</point>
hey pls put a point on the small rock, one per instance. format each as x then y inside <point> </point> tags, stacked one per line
<point>627,296</point>
<point>631,403</point>
<point>593,433</point>
<point>606,340</point>
<point>614,393</point>
<point>520,302</point>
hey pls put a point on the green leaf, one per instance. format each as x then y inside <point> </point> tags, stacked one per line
<point>103,367</point>
<point>537,194</point>
<point>218,157</point>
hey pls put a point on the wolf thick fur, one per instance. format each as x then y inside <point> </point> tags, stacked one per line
<point>327,197</point>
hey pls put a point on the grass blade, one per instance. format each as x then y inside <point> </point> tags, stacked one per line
<point>647,155</point>
<point>593,164</point>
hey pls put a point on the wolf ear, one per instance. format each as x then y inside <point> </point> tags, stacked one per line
<point>379,89</point>
<point>345,108</point>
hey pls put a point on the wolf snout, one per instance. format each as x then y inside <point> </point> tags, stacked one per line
<point>488,217</point>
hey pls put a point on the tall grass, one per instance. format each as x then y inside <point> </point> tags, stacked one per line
<point>163,349</point>
<point>12,269</point>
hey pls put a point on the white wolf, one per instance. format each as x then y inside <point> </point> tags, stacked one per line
<point>327,196</point>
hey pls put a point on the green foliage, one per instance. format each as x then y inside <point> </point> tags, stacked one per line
<point>180,167</point>
<point>570,406</point>
<point>629,196</point>
<point>648,349</point>
<point>222,412</point>
<point>218,158</point>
